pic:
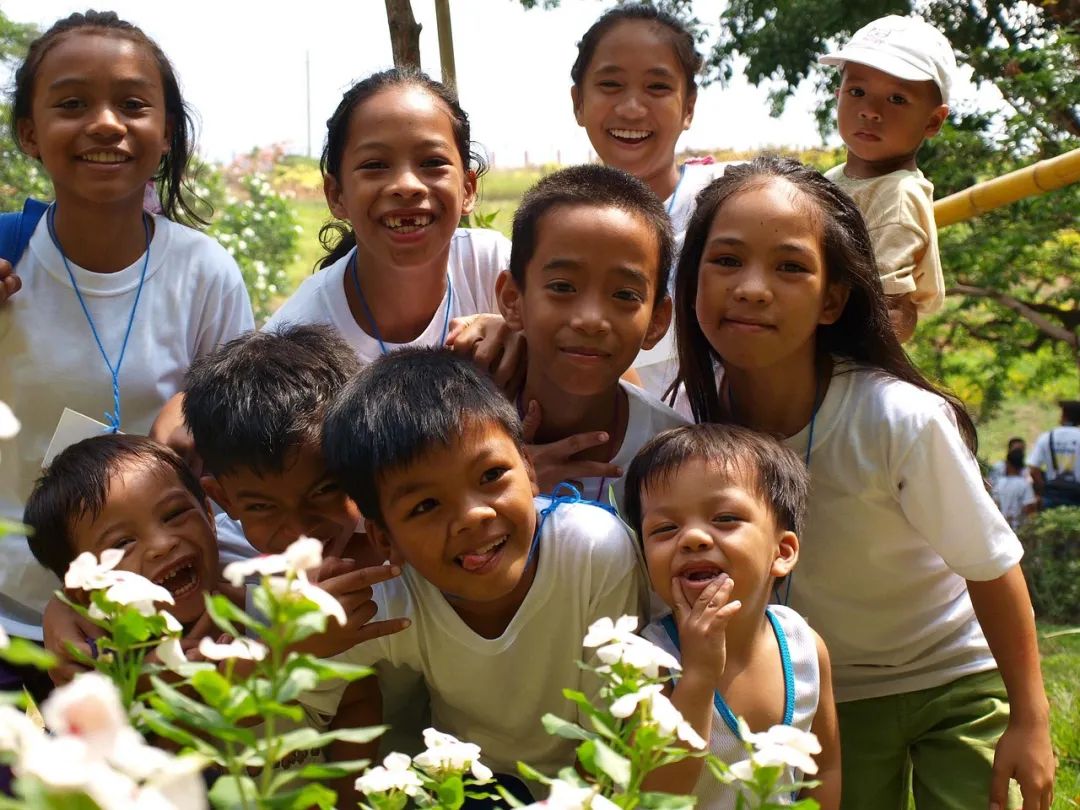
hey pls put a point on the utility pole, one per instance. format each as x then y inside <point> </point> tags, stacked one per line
<point>446,44</point>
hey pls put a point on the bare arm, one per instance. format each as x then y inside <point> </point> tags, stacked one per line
<point>827,730</point>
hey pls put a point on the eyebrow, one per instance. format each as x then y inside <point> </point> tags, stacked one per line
<point>607,70</point>
<point>429,143</point>
<point>561,263</point>
<point>791,247</point>
<point>78,81</point>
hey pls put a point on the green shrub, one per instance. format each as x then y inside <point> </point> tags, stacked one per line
<point>1052,563</point>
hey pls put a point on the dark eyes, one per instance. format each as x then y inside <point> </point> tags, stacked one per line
<point>123,542</point>
<point>493,474</point>
<point>424,506</point>
<point>329,488</point>
<point>630,295</point>
<point>793,267</point>
<point>725,261</point>
<point>560,287</point>
<point>177,511</point>
<point>897,99</point>
<point>856,92</point>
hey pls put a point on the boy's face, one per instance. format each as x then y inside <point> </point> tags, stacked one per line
<point>166,533</point>
<point>705,520</point>
<point>463,517</point>
<point>590,300</point>
<point>276,508</point>
<point>882,117</point>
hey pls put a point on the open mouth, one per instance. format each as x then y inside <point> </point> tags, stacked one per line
<point>699,576</point>
<point>407,224</point>
<point>181,580</point>
<point>105,157</point>
<point>630,135</point>
<point>481,558</point>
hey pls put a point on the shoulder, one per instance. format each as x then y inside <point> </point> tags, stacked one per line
<point>479,245</point>
<point>306,304</point>
<point>195,247</point>
<point>882,398</point>
<point>585,531</point>
<point>836,173</point>
<point>646,407</point>
<point>698,173</point>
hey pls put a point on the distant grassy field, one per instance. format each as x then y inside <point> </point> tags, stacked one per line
<point>1061,669</point>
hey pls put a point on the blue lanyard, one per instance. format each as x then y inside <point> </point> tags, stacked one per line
<point>675,193</point>
<point>371,318</point>
<point>113,419</point>
<point>785,661</point>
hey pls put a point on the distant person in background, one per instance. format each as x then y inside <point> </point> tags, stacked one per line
<point>1054,459</point>
<point>1011,485</point>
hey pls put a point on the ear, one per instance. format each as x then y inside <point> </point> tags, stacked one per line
<point>28,137</point>
<point>531,470</point>
<point>214,489</point>
<point>658,325</point>
<point>380,537</point>
<point>832,307</point>
<point>937,120</point>
<point>579,112</point>
<point>787,554</point>
<point>511,301</point>
<point>469,203</point>
<point>332,192</point>
<point>688,114</point>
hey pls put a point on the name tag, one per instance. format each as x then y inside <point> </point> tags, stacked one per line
<point>73,427</point>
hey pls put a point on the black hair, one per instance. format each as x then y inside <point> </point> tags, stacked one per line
<point>399,408</point>
<point>1070,412</point>
<point>77,484</point>
<point>1016,440</point>
<point>338,238</point>
<point>681,40</point>
<point>173,190</point>
<point>259,396</point>
<point>591,186</point>
<point>770,469</point>
<point>862,334</point>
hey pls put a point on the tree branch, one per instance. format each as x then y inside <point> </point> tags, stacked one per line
<point>1020,308</point>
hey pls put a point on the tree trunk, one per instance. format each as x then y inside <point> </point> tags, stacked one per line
<point>446,44</point>
<point>404,33</point>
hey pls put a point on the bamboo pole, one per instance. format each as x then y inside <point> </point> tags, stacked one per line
<point>446,44</point>
<point>1038,178</point>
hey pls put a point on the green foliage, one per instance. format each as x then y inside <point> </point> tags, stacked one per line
<point>1052,563</point>
<point>20,177</point>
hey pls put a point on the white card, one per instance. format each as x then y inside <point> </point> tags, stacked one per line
<point>72,427</point>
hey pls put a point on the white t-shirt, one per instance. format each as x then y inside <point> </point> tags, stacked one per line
<point>193,298</point>
<point>477,256</point>
<point>1066,450</point>
<point>898,519</point>
<point>805,691</point>
<point>659,365</point>
<point>647,417</point>
<point>494,692</point>
<point>1012,493</point>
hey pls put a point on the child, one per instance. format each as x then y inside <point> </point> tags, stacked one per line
<point>894,93</point>
<point>588,289</point>
<point>907,568</point>
<point>493,578</point>
<point>398,170</point>
<point>131,493</point>
<point>634,90</point>
<point>719,510</point>
<point>115,303</point>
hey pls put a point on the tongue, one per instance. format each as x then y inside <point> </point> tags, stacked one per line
<point>476,560</point>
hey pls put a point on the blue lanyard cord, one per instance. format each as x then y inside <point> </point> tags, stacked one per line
<point>113,419</point>
<point>675,193</point>
<point>371,318</point>
<point>785,662</point>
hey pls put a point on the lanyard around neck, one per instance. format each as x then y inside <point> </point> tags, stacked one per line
<point>371,318</point>
<point>675,193</point>
<point>112,419</point>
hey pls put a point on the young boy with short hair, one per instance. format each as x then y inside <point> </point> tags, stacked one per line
<point>500,586</point>
<point>894,94</point>
<point>587,286</point>
<point>718,509</point>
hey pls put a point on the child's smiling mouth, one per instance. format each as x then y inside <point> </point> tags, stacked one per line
<point>630,135</point>
<point>181,578</point>
<point>410,223</point>
<point>483,558</point>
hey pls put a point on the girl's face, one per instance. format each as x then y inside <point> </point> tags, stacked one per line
<point>403,184</point>
<point>632,99</point>
<point>762,288</point>
<point>98,122</point>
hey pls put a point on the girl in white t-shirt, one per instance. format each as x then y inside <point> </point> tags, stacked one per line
<point>634,93</point>
<point>112,303</point>
<point>907,569</point>
<point>398,175</point>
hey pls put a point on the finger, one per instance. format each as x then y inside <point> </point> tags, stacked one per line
<point>361,579</point>
<point>12,284</point>
<point>358,611</point>
<point>712,596</point>
<point>531,423</point>
<point>572,445</point>
<point>380,629</point>
<point>337,546</point>
<point>456,325</point>
<point>465,338</point>
<point>577,470</point>
<point>329,568</point>
<point>680,605</point>
<point>999,787</point>
<point>506,370</point>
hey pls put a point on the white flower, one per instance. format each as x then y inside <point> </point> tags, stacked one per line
<point>784,745</point>
<point>618,643</point>
<point>88,708</point>
<point>5,642</point>
<point>304,554</point>
<point>9,425</point>
<point>172,624</point>
<point>171,654</point>
<point>448,754</point>
<point>565,796</point>
<point>86,573</point>
<point>661,710</point>
<point>134,590</point>
<point>604,631</point>
<point>243,648</point>
<point>395,773</point>
<point>17,730</point>
<point>301,555</point>
<point>327,604</point>
<point>743,770</point>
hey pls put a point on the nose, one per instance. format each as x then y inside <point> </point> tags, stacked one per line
<point>406,183</point>
<point>161,544</point>
<point>869,112</point>
<point>752,285</point>
<point>474,512</point>
<point>630,106</point>
<point>590,317</point>
<point>695,539</point>
<point>105,123</point>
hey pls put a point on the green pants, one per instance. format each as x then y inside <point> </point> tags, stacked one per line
<point>937,744</point>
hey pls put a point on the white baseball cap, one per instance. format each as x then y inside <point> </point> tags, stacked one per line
<point>906,47</point>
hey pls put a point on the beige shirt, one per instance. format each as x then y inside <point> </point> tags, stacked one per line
<point>899,212</point>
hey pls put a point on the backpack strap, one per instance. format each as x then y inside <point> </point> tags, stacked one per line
<point>1053,455</point>
<point>17,228</point>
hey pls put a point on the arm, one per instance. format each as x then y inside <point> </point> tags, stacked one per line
<point>361,707</point>
<point>1024,751</point>
<point>827,729</point>
<point>903,314</point>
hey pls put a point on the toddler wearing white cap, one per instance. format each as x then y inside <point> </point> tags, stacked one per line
<point>894,93</point>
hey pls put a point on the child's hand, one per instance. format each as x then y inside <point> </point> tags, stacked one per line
<point>903,315</point>
<point>492,345</point>
<point>703,627</point>
<point>9,282</point>
<point>555,463</point>
<point>170,429</point>
<point>63,626</point>
<point>1024,753</point>
<point>351,586</point>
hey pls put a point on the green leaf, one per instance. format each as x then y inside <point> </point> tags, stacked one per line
<point>532,774</point>
<point>181,704</point>
<point>311,795</point>
<point>666,801</point>
<point>300,679</point>
<point>170,731</point>
<point>226,615</point>
<point>451,793</point>
<point>586,756</point>
<point>211,686</point>
<point>26,653</point>
<point>335,770</point>
<point>327,669</point>
<point>614,765</point>
<point>233,791</point>
<point>306,739</point>
<point>558,727</point>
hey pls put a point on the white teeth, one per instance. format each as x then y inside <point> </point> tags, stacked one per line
<point>105,157</point>
<point>631,134</point>
<point>487,548</point>
<point>408,224</point>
